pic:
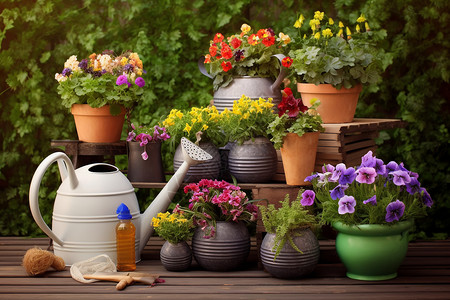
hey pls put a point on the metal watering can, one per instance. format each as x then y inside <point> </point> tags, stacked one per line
<point>84,212</point>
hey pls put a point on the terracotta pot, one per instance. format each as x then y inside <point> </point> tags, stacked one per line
<point>299,156</point>
<point>97,125</point>
<point>336,106</point>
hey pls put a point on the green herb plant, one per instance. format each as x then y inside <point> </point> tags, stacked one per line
<point>285,221</point>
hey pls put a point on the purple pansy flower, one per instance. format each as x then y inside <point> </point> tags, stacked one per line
<point>394,211</point>
<point>66,72</point>
<point>328,168</point>
<point>140,82</point>
<point>366,175</point>
<point>347,205</point>
<point>400,177</point>
<point>347,176</point>
<point>413,186</point>
<point>380,167</point>
<point>340,168</point>
<point>83,65</point>
<point>308,197</point>
<point>238,55</point>
<point>128,68</point>
<point>310,178</point>
<point>426,198</point>
<point>372,200</point>
<point>338,192</point>
<point>368,160</point>
<point>391,167</point>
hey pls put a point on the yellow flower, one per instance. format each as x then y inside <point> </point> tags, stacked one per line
<point>349,33</point>
<point>319,15</point>
<point>155,222</point>
<point>187,128</point>
<point>330,21</point>
<point>246,115</point>
<point>341,33</point>
<point>194,120</point>
<point>179,114</point>
<point>327,32</point>
<point>314,24</point>
<point>317,35</point>
<point>245,28</point>
<point>367,26</point>
<point>361,19</point>
<point>358,29</point>
<point>204,127</point>
<point>341,25</point>
<point>124,61</point>
<point>299,21</point>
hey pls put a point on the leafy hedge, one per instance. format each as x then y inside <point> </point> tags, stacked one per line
<point>36,37</point>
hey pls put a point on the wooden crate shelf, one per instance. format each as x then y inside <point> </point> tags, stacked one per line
<point>346,142</point>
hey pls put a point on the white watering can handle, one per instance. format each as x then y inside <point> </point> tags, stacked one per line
<point>275,85</point>
<point>67,172</point>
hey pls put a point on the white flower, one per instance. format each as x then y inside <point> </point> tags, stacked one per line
<point>72,63</point>
<point>60,77</point>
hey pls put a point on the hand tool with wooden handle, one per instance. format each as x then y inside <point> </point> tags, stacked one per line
<point>124,278</point>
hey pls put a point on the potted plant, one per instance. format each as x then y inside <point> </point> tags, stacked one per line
<point>202,126</point>
<point>175,228</point>
<point>144,153</point>
<point>330,61</point>
<point>289,249</point>
<point>104,85</point>
<point>221,241</point>
<point>372,207</point>
<point>247,62</point>
<point>296,131</point>
<point>252,157</point>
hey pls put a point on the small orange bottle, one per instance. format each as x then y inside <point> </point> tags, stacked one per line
<point>125,239</point>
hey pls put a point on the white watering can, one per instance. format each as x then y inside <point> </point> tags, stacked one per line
<point>84,212</point>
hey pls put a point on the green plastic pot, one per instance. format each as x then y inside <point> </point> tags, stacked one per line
<point>372,251</point>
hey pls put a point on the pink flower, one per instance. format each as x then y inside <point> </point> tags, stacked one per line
<point>140,82</point>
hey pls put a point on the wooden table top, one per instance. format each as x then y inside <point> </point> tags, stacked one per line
<point>425,274</point>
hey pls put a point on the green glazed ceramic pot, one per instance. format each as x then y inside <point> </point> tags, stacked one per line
<point>372,251</point>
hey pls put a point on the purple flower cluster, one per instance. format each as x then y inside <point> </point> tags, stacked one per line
<point>213,200</point>
<point>144,137</point>
<point>372,171</point>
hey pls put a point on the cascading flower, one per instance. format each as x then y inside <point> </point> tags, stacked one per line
<point>145,134</point>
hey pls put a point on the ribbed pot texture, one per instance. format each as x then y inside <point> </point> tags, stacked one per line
<point>291,264</point>
<point>253,161</point>
<point>176,257</point>
<point>226,251</point>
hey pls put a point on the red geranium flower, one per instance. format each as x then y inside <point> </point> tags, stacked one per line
<point>218,38</point>
<point>235,43</point>
<point>290,105</point>
<point>268,41</point>
<point>286,62</point>
<point>226,51</point>
<point>226,66</point>
<point>213,50</point>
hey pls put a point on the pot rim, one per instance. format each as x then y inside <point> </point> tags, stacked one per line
<point>373,229</point>
<point>326,88</point>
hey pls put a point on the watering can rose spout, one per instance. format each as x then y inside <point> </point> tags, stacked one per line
<point>192,155</point>
<point>84,215</point>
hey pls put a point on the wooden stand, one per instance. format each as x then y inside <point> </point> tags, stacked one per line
<point>87,153</point>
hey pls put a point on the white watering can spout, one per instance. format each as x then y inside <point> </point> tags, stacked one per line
<point>192,155</point>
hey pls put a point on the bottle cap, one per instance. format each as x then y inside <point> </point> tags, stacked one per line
<point>123,213</point>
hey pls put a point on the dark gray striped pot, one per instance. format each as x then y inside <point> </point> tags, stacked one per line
<point>291,264</point>
<point>226,251</point>
<point>253,161</point>
<point>176,257</point>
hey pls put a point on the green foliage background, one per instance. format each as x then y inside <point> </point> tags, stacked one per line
<point>36,37</point>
